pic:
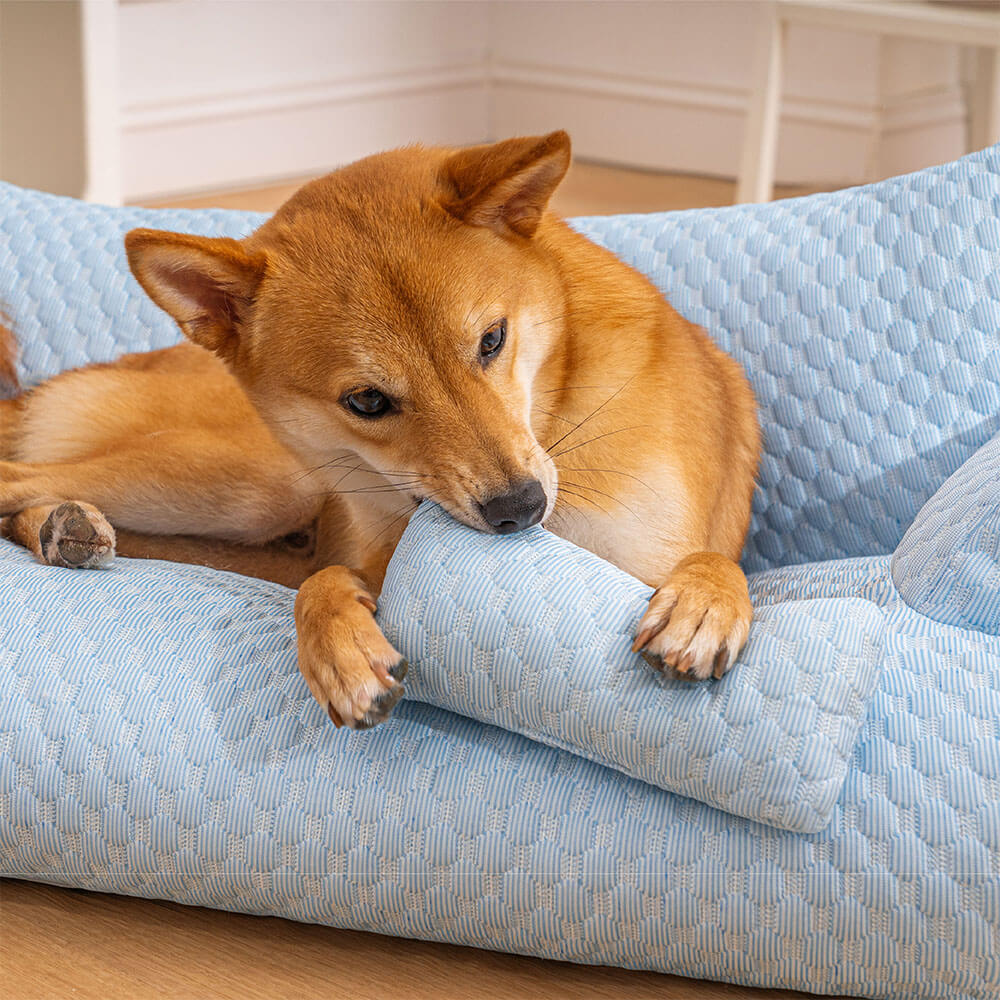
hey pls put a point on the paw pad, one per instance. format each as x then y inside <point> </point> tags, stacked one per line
<point>77,536</point>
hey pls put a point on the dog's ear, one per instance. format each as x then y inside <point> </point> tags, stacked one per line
<point>507,185</point>
<point>207,285</point>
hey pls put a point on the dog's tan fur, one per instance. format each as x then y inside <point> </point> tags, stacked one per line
<point>237,449</point>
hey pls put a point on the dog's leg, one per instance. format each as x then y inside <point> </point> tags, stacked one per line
<point>284,561</point>
<point>177,484</point>
<point>350,667</point>
<point>10,414</point>
<point>71,533</point>
<point>699,619</point>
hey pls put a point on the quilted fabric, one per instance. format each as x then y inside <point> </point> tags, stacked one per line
<point>65,284</point>
<point>156,740</point>
<point>946,567</point>
<point>533,634</point>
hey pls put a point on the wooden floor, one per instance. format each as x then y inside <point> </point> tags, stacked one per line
<point>589,189</point>
<point>60,943</point>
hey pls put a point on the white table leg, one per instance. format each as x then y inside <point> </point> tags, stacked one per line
<point>760,143</point>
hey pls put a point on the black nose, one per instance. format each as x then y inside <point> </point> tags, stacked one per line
<point>522,507</point>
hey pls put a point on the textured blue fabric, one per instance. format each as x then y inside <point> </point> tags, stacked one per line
<point>533,634</point>
<point>65,283</point>
<point>155,737</point>
<point>947,566</point>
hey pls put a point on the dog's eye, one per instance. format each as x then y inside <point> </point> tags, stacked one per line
<point>493,340</point>
<point>367,403</point>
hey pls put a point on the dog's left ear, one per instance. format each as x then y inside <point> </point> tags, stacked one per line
<point>206,284</point>
<point>506,186</point>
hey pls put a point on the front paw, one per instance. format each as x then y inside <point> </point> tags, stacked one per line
<point>350,667</point>
<point>698,621</point>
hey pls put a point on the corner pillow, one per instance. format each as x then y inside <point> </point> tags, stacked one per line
<point>947,567</point>
<point>533,634</point>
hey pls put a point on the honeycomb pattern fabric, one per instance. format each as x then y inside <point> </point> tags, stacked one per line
<point>867,322</point>
<point>533,634</point>
<point>948,565</point>
<point>65,286</point>
<point>155,738</point>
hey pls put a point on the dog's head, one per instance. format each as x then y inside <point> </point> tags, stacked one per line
<point>401,308</point>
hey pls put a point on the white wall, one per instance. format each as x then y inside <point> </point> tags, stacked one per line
<point>226,92</point>
<point>202,94</point>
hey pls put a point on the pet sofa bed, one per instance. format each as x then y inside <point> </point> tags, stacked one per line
<point>826,817</point>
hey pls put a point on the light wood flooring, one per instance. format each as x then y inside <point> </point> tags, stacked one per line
<point>61,943</point>
<point>588,189</point>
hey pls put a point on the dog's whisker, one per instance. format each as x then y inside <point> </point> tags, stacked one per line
<point>554,319</point>
<point>583,486</point>
<point>591,415</point>
<point>561,499</point>
<point>562,504</point>
<point>387,488</point>
<point>318,468</point>
<point>368,490</point>
<point>621,430</point>
<point>404,511</point>
<point>586,499</point>
<point>612,472</point>
<point>549,413</point>
<point>575,388</point>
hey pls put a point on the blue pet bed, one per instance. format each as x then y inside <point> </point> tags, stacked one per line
<point>826,817</point>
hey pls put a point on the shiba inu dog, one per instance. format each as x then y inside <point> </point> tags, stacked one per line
<point>416,325</point>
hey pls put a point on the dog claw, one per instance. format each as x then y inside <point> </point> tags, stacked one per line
<point>652,659</point>
<point>398,670</point>
<point>642,638</point>
<point>380,708</point>
<point>721,664</point>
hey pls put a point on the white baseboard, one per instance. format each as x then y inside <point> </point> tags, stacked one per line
<point>259,136</point>
<point>922,129</point>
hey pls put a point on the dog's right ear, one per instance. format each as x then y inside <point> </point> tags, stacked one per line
<point>506,186</point>
<point>207,285</point>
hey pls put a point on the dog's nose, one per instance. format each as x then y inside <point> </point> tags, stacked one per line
<point>522,507</point>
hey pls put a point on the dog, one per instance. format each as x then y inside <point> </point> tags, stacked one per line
<point>414,326</point>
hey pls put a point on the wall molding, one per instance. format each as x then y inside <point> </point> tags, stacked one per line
<point>678,93</point>
<point>249,102</point>
<point>256,137</point>
<point>912,112</point>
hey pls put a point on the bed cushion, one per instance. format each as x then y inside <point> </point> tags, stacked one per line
<point>156,739</point>
<point>534,634</point>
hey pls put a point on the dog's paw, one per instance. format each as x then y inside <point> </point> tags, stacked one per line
<point>698,621</point>
<point>76,535</point>
<point>350,667</point>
